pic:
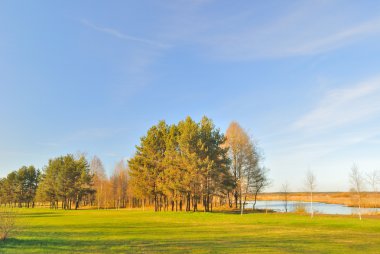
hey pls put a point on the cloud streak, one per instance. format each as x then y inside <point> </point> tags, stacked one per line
<point>259,43</point>
<point>308,28</point>
<point>340,107</point>
<point>120,35</point>
<point>338,39</point>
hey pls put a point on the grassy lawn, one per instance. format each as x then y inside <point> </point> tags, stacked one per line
<point>123,231</point>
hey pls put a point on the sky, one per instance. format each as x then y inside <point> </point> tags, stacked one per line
<point>302,77</point>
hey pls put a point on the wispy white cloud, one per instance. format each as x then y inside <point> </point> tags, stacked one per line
<point>302,28</point>
<point>343,106</point>
<point>116,33</point>
<point>262,42</point>
<point>135,68</point>
<point>301,148</point>
<point>338,39</point>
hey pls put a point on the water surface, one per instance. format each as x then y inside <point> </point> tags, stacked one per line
<point>318,207</point>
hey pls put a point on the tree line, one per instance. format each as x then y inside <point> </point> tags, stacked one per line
<point>185,166</point>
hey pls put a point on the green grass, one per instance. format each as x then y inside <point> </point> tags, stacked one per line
<point>122,231</point>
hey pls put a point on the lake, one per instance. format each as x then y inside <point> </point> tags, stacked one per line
<point>318,207</point>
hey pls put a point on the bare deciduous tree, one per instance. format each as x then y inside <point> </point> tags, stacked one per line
<point>258,182</point>
<point>248,176</point>
<point>311,184</point>
<point>100,179</point>
<point>357,184</point>
<point>285,192</point>
<point>237,140</point>
<point>119,184</point>
<point>373,180</point>
<point>7,222</point>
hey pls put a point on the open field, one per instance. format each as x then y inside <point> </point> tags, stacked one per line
<point>369,199</point>
<point>126,231</point>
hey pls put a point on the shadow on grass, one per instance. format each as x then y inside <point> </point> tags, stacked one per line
<point>247,211</point>
<point>44,245</point>
<point>132,245</point>
<point>39,215</point>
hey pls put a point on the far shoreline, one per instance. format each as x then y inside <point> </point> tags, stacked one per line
<point>369,199</point>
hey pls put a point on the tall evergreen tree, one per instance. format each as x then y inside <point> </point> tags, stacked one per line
<point>146,165</point>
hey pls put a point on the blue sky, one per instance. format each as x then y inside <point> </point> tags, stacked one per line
<point>303,77</point>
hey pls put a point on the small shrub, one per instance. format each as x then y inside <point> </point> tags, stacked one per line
<point>7,222</point>
<point>300,208</point>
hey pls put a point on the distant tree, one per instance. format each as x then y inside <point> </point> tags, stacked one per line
<point>28,178</point>
<point>119,183</point>
<point>66,179</point>
<point>238,143</point>
<point>311,183</point>
<point>3,190</point>
<point>11,189</point>
<point>187,157</point>
<point>259,181</point>
<point>146,166</point>
<point>19,187</point>
<point>175,175</point>
<point>48,188</point>
<point>213,161</point>
<point>99,179</point>
<point>84,186</point>
<point>248,176</point>
<point>357,184</point>
<point>285,193</point>
<point>373,180</point>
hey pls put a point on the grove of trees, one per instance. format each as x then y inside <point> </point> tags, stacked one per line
<point>189,164</point>
<point>66,180</point>
<point>113,192</point>
<point>19,187</point>
<point>181,165</point>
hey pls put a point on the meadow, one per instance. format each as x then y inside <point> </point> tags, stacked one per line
<point>130,231</point>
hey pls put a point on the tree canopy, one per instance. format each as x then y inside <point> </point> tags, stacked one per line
<point>66,179</point>
<point>183,163</point>
<point>19,187</point>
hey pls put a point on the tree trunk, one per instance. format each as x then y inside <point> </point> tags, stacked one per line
<point>155,203</point>
<point>360,212</point>
<point>311,205</point>
<point>188,200</point>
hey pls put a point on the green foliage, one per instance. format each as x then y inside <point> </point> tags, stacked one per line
<point>20,187</point>
<point>181,163</point>
<point>65,179</point>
